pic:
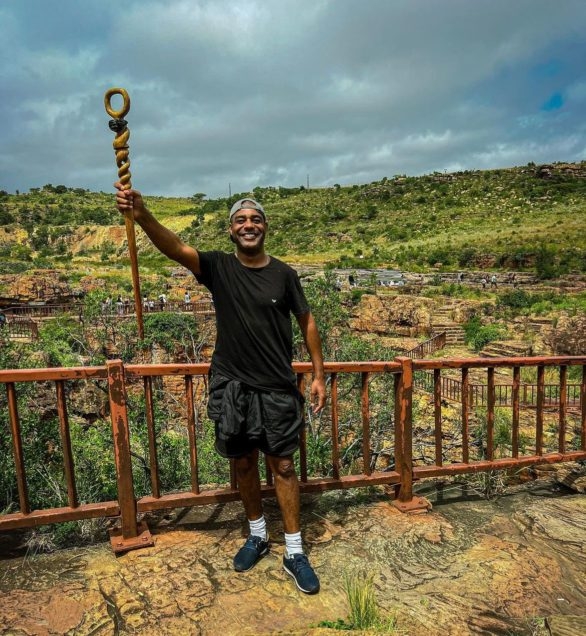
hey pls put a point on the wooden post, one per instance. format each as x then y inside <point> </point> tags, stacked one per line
<point>130,535</point>
<point>406,502</point>
<point>17,449</point>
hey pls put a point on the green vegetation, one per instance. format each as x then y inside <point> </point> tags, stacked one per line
<point>516,302</point>
<point>364,612</point>
<point>467,220</point>
<point>477,335</point>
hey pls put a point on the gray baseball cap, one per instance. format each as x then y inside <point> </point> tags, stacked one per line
<point>247,204</point>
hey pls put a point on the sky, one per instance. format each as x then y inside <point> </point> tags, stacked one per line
<point>228,95</point>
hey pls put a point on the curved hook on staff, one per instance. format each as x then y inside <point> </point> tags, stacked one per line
<point>120,144</point>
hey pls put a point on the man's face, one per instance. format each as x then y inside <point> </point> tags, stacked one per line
<point>247,230</point>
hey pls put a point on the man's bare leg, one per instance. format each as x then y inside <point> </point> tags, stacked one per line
<point>257,544</point>
<point>249,484</point>
<point>295,563</point>
<point>287,489</point>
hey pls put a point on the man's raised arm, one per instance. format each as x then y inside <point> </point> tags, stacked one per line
<point>162,238</point>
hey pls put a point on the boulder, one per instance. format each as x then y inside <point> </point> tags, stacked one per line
<point>386,314</point>
<point>568,336</point>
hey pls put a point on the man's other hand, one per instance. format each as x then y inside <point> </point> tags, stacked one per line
<point>318,395</point>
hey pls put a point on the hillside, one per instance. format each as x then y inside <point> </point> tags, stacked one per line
<point>522,218</point>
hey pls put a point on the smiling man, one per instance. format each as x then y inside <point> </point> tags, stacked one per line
<point>253,398</point>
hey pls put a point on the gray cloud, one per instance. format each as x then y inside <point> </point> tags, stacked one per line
<point>254,93</point>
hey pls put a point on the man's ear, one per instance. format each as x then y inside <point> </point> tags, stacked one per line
<point>230,234</point>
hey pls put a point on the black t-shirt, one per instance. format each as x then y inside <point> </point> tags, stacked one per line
<point>254,341</point>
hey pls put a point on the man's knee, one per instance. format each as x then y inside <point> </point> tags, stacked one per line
<point>283,467</point>
<point>246,463</point>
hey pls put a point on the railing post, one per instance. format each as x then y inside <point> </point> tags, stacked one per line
<point>130,535</point>
<point>405,501</point>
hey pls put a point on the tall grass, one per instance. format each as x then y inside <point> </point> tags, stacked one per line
<point>364,612</point>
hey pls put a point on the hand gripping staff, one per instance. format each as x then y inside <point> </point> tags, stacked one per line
<point>120,144</point>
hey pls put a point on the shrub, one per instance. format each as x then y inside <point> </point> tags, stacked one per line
<point>515,299</point>
<point>170,330</point>
<point>477,335</point>
<point>545,263</point>
<point>5,217</point>
<point>467,257</point>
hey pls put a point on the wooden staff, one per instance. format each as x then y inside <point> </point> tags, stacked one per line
<point>120,144</point>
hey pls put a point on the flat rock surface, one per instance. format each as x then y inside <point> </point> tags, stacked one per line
<point>515,565</point>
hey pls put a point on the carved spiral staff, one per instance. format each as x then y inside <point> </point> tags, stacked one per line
<point>119,125</point>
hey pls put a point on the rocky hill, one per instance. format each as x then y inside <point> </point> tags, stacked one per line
<point>523,218</point>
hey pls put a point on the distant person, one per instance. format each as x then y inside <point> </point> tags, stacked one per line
<point>162,301</point>
<point>126,306</point>
<point>2,319</point>
<point>145,302</point>
<point>187,298</point>
<point>253,396</point>
<point>119,306</point>
<point>483,282</point>
<point>493,281</point>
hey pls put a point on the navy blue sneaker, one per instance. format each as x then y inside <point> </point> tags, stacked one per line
<point>253,550</point>
<point>299,568</point>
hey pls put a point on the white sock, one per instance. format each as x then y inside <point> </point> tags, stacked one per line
<point>258,527</point>
<point>293,543</point>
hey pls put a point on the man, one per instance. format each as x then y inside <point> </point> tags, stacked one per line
<point>162,301</point>
<point>253,399</point>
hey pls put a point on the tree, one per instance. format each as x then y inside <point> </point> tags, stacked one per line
<point>545,265</point>
<point>5,217</point>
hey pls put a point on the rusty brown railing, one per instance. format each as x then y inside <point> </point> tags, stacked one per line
<point>401,473</point>
<point>43,311</point>
<point>197,307</point>
<point>428,347</point>
<point>22,328</point>
<point>451,389</point>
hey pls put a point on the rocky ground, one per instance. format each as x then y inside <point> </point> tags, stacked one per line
<point>514,565</point>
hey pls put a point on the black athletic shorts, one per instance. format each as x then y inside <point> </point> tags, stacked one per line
<point>246,419</point>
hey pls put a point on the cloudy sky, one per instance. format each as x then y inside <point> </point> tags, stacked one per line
<point>234,94</point>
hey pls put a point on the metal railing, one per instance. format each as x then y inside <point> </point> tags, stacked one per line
<point>402,473</point>
<point>203,307</point>
<point>428,347</point>
<point>43,311</point>
<point>22,328</point>
<point>478,394</point>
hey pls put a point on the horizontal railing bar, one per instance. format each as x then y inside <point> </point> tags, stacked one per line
<point>56,373</point>
<point>497,464</point>
<point>493,363</point>
<point>222,495</point>
<point>35,518</point>
<point>142,370</point>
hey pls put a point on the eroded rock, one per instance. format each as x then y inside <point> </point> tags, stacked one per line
<point>471,566</point>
